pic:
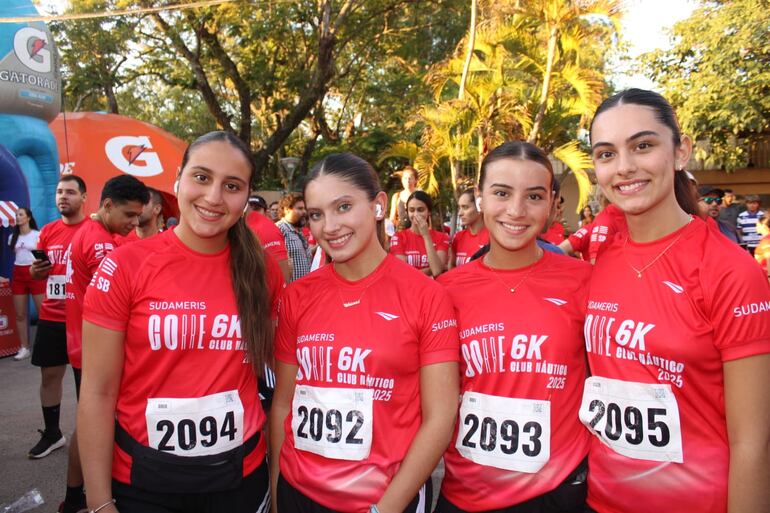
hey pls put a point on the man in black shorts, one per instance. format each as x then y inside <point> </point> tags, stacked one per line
<point>50,349</point>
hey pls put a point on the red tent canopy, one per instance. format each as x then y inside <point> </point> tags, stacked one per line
<point>97,146</point>
<point>8,213</point>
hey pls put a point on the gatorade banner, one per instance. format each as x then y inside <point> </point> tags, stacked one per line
<point>9,338</point>
<point>97,146</point>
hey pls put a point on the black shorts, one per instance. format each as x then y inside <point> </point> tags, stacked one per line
<point>251,497</point>
<point>50,349</point>
<point>291,500</point>
<point>568,497</point>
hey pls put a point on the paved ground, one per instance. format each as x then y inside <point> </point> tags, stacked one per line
<point>20,418</point>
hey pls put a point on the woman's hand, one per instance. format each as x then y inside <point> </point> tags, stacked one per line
<point>421,226</point>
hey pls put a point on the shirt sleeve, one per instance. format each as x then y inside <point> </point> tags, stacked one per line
<point>274,243</point>
<point>396,245</point>
<point>740,310</point>
<point>580,239</point>
<point>439,340</point>
<point>275,283</point>
<point>441,241</point>
<point>107,301</point>
<point>286,331</point>
<point>98,248</point>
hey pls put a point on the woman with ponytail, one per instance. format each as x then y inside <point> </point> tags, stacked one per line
<point>176,329</point>
<point>677,333</point>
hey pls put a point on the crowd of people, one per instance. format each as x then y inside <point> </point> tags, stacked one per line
<point>620,368</point>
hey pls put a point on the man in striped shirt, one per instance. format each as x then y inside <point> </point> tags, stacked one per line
<point>747,223</point>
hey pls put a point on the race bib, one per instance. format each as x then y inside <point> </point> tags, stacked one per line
<point>195,426</point>
<point>637,420</point>
<point>55,286</point>
<point>505,433</point>
<point>333,422</point>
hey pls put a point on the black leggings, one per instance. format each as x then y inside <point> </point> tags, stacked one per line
<point>568,497</point>
<point>291,500</point>
<point>251,497</point>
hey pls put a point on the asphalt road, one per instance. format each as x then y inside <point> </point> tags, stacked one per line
<point>20,418</point>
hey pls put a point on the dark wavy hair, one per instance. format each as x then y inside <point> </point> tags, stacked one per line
<point>664,113</point>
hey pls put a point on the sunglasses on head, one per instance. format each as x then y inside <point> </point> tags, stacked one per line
<point>710,199</point>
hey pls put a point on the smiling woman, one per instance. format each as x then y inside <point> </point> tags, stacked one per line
<point>175,327</point>
<point>670,341</point>
<point>361,423</point>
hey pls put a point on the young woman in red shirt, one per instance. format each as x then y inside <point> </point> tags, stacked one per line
<point>175,328</point>
<point>518,446</point>
<point>677,333</point>
<point>475,236</point>
<point>366,373</point>
<point>420,245</point>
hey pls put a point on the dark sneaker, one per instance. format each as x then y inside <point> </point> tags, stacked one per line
<point>48,443</point>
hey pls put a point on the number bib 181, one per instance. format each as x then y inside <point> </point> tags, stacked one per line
<point>333,422</point>
<point>195,426</point>
<point>55,286</point>
<point>504,432</point>
<point>638,420</point>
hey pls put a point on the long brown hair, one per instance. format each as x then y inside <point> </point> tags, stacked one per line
<point>664,113</point>
<point>247,271</point>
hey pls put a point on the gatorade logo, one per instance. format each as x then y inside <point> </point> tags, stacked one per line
<point>133,155</point>
<point>32,48</point>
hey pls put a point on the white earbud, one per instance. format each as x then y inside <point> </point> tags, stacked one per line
<point>176,187</point>
<point>378,211</point>
<point>478,204</point>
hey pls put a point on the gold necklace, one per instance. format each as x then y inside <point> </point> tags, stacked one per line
<point>660,255</point>
<point>522,280</point>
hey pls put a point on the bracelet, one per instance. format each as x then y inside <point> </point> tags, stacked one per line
<point>108,503</point>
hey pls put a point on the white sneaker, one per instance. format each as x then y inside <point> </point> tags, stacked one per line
<point>22,354</point>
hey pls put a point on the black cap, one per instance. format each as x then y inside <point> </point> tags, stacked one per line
<point>705,190</point>
<point>258,201</point>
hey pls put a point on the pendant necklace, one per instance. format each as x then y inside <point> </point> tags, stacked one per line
<point>660,255</point>
<point>522,280</point>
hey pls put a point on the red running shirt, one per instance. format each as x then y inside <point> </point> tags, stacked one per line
<point>590,240</point>
<point>465,244</point>
<point>412,246</point>
<point>536,355</point>
<point>55,238</point>
<point>397,321</point>
<point>182,341</point>
<point>268,234</point>
<point>668,333</point>
<point>89,246</point>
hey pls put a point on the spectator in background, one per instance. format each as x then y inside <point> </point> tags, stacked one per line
<point>710,203</point>
<point>273,212</point>
<point>150,222</point>
<point>586,216</point>
<point>419,244</point>
<point>475,235</point>
<point>555,232</point>
<point>294,215</point>
<point>747,223</point>
<point>22,241</point>
<point>730,210</point>
<point>398,214</point>
<point>269,235</point>
<point>762,253</point>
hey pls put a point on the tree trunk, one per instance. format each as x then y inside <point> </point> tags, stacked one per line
<point>544,92</point>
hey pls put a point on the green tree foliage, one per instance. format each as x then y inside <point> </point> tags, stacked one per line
<point>536,73</point>
<point>285,77</point>
<point>717,76</point>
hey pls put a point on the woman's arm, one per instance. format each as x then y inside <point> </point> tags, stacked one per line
<point>439,393</point>
<point>451,259</point>
<point>394,207</point>
<point>747,405</point>
<point>285,382</point>
<point>102,371</point>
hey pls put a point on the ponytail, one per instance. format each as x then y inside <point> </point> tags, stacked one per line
<point>685,192</point>
<point>249,275</point>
